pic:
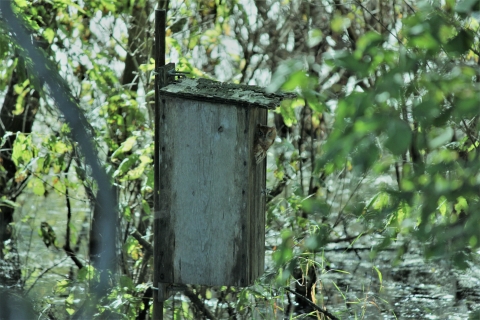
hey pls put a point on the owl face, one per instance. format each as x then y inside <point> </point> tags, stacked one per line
<point>264,138</point>
<point>266,135</point>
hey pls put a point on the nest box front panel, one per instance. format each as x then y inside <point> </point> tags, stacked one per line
<point>204,179</point>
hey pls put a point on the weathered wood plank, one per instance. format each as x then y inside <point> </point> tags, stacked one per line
<point>208,216</point>
<point>257,180</point>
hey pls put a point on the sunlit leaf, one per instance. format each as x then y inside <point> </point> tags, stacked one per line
<point>380,277</point>
<point>125,165</point>
<point>61,147</point>
<point>21,3</point>
<point>338,23</point>
<point>37,186</point>
<point>61,286</point>
<point>58,185</point>
<point>49,34</point>
<point>315,36</point>
<point>87,273</point>
<point>287,111</point>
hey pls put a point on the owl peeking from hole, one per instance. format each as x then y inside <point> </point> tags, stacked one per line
<point>264,138</point>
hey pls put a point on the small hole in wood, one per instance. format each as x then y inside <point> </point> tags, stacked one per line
<point>163,148</point>
<point>243,191</point>
<point>243,227</point>
<point>163,116</point>
<point>244,163</point>
<point>220,129</point>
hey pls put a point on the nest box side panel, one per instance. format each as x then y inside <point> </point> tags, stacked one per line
<point>202,173</point>
<point>256,203</point>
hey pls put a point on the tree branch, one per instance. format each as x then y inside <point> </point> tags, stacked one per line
<point>198,303</point>
<point>313,305</point>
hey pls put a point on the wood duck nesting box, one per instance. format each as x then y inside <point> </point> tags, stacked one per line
<point>210,214</point>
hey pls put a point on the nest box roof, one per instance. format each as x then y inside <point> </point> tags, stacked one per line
<point>226,93</point>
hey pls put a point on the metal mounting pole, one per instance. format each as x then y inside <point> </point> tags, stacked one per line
<point>160,24</point>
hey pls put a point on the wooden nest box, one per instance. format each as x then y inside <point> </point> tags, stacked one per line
<point>210,193</point>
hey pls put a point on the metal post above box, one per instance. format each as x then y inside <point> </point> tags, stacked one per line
<point>210,193</point>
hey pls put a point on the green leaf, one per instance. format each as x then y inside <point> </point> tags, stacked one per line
<point>40,165</point>
<point>126,146</point>
<point>87,273</point>
<point>348,61</point>
<point>460,44</point>
<point>126,165</point>
<point>126,282</point>
<point>58,185</point>
<point>69,303</point>
<point>339,23</point>
<point>284,251</point>
<point>366,153</point>
<point>318,239</point>
<point>9,203</point>
<point>380,278</point>
<point>138,171</point>
<point>283,73</point>
<point>19,105</point>
<point>21,3</point>
<point>132,247</point>
<point>315,36</point>
<point>49,34</point>
<point>426,112</point>
<point>146,207</point>
<point>60,147</point>
<point>22,149</point>
<point>425,41</point>
<point>4,51</point>
<point>441,137</point>
<point>62,286</point>
<point>366,125</point>
<point>287,112</point>
<point>367,41</point>
<point>129,143</point>
<point>298,79</point>
<point>399,136</point>
<point>461,204</point>
<point>37,186</point>
<point>127,213</point>
<point>150,182</point>
<point>381,200</point>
